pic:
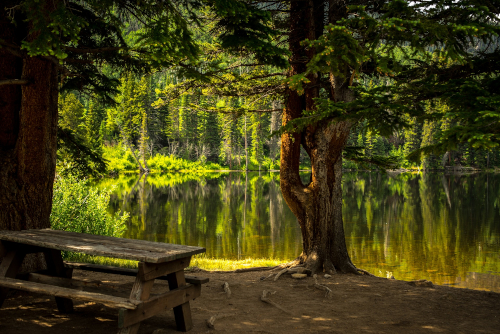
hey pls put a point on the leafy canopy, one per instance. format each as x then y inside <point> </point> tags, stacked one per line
<point>135,36</point>
<point>418,53</point>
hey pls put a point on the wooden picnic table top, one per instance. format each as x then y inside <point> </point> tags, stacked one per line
<point>121,248</point>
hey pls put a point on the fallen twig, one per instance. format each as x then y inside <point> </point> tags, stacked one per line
<point>211,320</point>
<point>265,299</point>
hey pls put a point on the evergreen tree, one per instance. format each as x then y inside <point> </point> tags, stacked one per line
<point>411,138</point>
<point>257,139</point>
<point>92,124</point>
<point>71,113</point>
<point>429,133</point>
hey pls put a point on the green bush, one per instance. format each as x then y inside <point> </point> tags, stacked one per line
<point>119,159</point>
<point>79,207</point>
<point>170,163</point>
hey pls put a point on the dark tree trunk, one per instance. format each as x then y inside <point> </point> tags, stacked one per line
<point>27,137</point>
<point>317,205</point>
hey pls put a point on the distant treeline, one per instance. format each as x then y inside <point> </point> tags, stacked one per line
<point>141,128</point>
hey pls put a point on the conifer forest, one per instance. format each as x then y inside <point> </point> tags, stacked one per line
<point>146,128</point>
<point>227,115</point>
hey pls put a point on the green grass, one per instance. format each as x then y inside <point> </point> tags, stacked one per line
<point>200,261</point>
<point>207,263</point>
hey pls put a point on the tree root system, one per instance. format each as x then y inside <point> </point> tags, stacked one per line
<point>316,285</point>
<point>264,297</point>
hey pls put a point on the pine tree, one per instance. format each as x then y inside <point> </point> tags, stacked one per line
<point>93,127</point>
<point>429,132</point>
<point>71,113</point>
<point>411,139</point>
<point>257,140</point>
<point>369,144</point>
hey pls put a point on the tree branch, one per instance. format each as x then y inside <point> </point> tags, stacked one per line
<point>14,82</point>
<point>97,50</point>
<point>235,110</point>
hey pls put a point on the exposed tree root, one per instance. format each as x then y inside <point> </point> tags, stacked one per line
<point>295,263</point>
<point>294,270</point>
<point>364,272</point>
<point>268,276</point>
<point>280,273</point>
<point>313,266</point>
<point>329,293</point>
<point>265,299</point>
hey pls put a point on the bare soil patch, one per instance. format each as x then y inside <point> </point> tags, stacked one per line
<point>357,304</point>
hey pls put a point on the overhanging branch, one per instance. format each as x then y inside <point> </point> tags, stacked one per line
<point>96,50</point>
<point>14,82</point>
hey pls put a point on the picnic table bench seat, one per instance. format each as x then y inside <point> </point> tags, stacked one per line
<point>156,261</point>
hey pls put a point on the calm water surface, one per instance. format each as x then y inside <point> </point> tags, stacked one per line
<point>444,228</point>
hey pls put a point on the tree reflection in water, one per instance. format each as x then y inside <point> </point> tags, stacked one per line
<point>444,228</point>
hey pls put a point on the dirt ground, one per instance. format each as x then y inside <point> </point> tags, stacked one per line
<point>358,304</point>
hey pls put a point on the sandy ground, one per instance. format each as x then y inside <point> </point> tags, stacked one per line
<point>358,304</point>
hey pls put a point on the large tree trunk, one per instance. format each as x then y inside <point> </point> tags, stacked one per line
<point>27,137</point>
<point>317,205</point>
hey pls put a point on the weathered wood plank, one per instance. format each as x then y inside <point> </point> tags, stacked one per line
<point>84,244</point>
<point>80,284</point>
<point>57,291</point>
<point>149,271</point>
<point>91,248</point>
<point>55,267</point>
<point>3,249</point>
<point>182,313</point>
<point>121,242</point>
<point>158,304</point>
<point>9,267</point>
<point>128,271</point>
<point>140,291</point>
<point>26,249</point>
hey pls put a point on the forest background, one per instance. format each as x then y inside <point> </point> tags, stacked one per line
<point>165,121</point>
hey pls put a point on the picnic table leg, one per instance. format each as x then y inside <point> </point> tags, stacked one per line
<point>55,267</point>
<point>140,291</point>
<point>182,313</point>
<point>9,267</point>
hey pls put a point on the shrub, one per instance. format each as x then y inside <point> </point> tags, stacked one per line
<point>170,163</point>
<point>119,159</point>
<point>79,207</point>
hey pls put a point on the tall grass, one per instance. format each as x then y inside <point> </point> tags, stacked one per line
<point>206,263</point>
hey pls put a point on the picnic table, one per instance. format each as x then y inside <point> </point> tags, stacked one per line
<point>156,261</point>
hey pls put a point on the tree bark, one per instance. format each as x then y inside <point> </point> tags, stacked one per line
<point>27,138</point>
<point>317,205</point>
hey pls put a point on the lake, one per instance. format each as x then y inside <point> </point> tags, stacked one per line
<point>443,228</point>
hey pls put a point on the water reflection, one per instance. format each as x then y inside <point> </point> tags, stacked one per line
<point>445,228</point>
<point>232,215</point>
